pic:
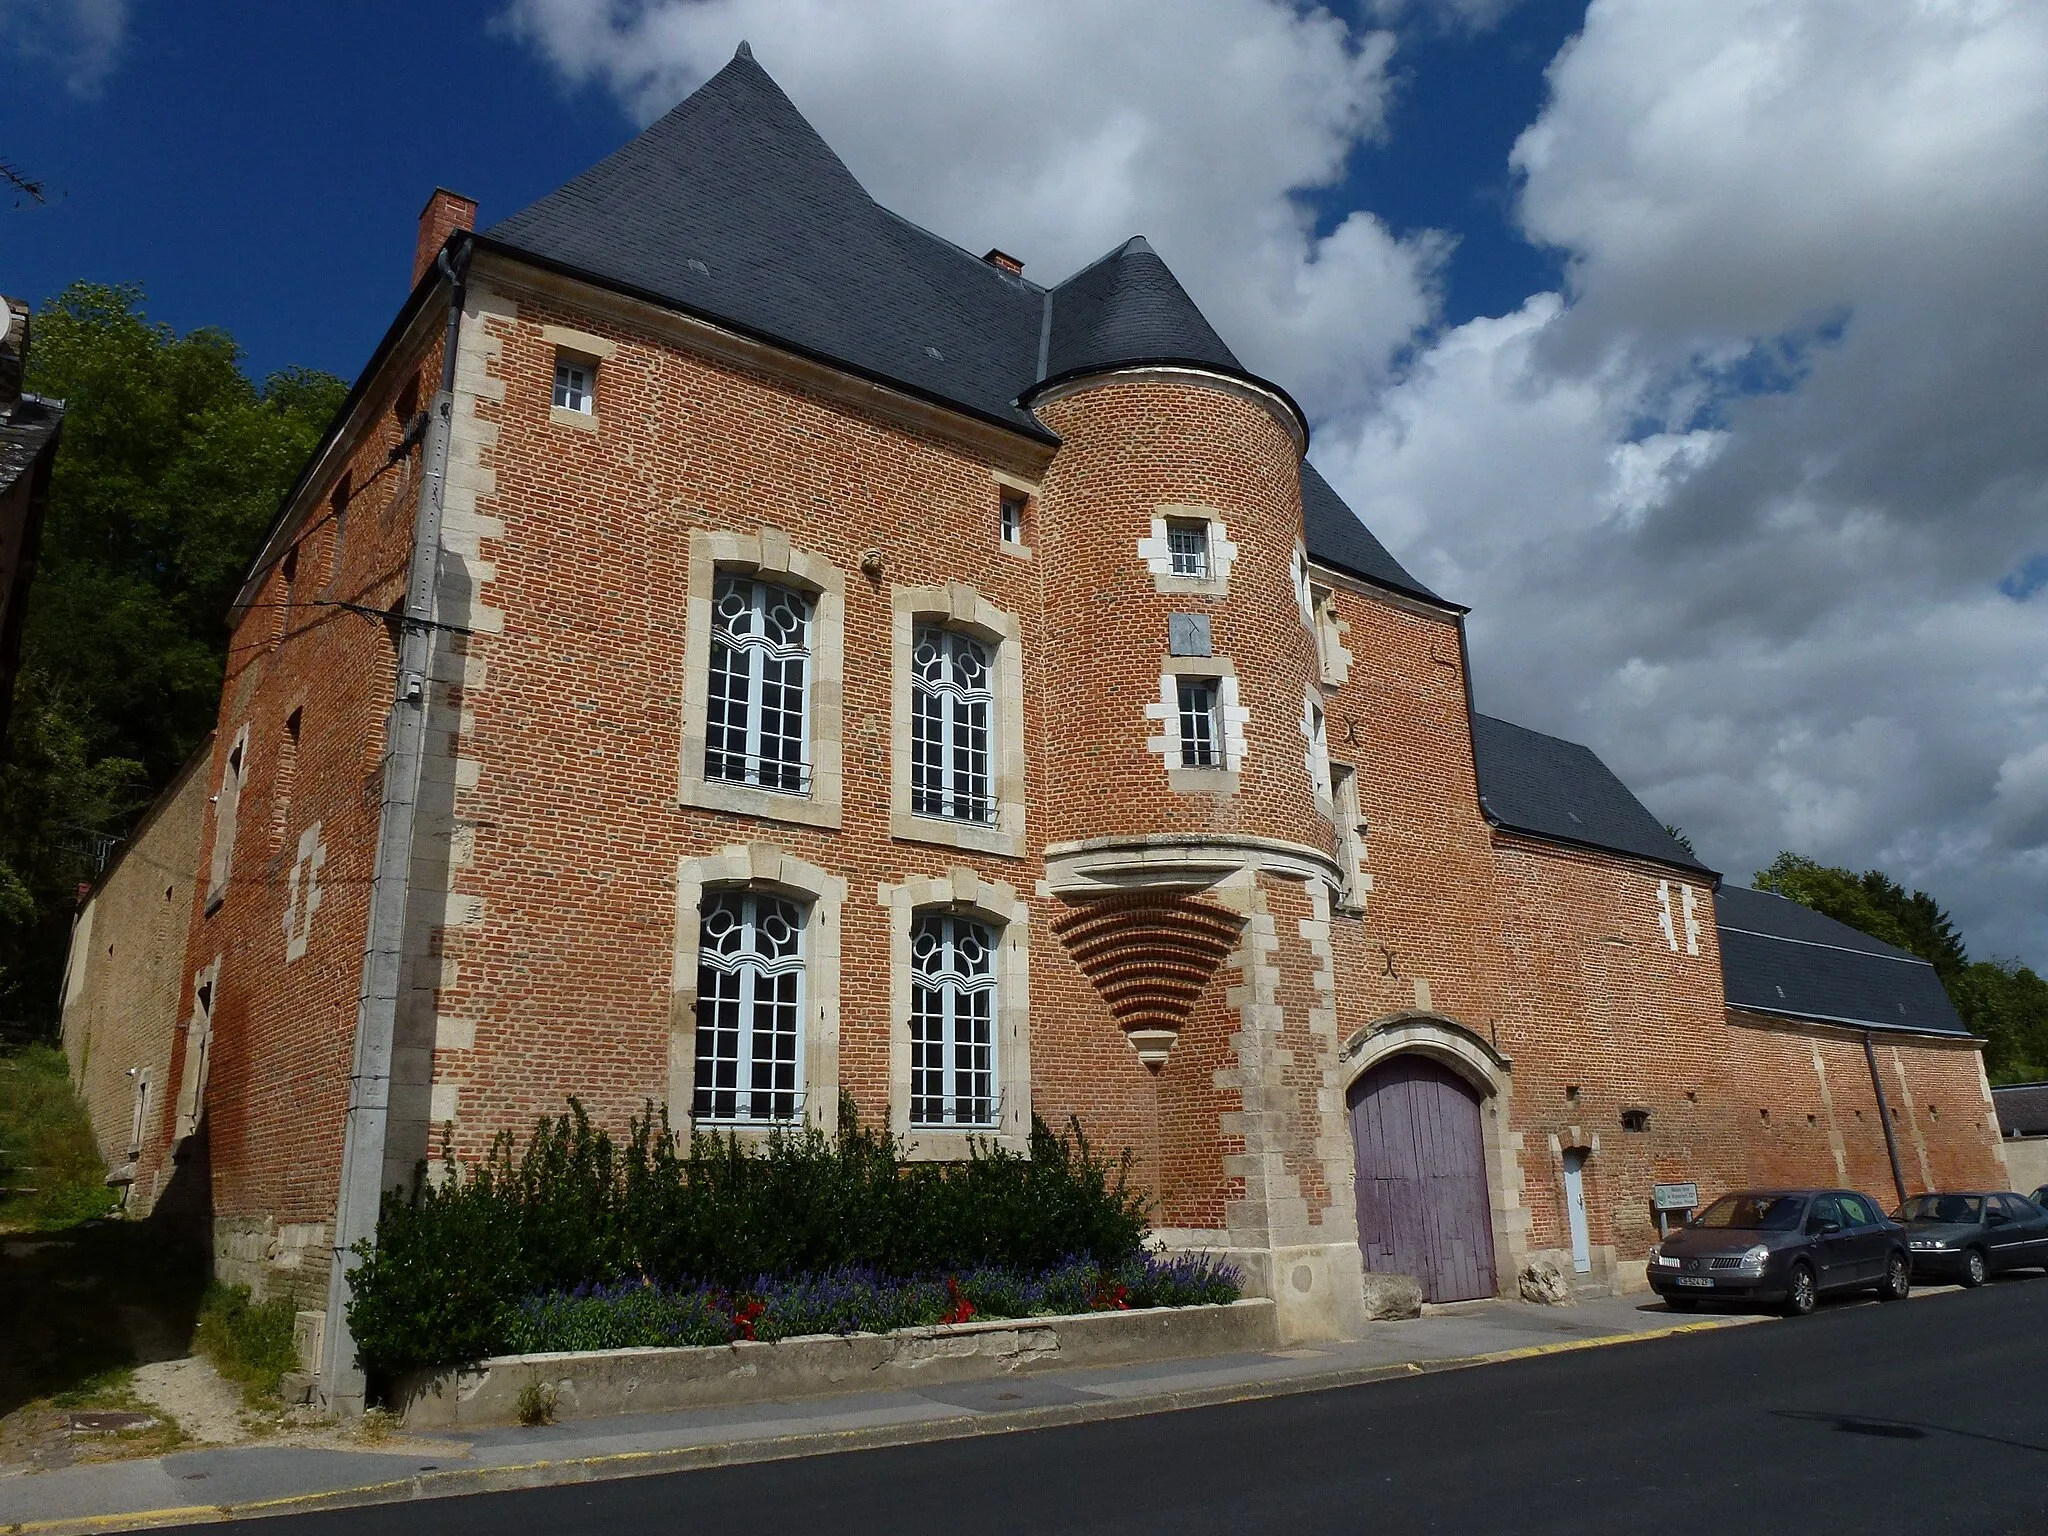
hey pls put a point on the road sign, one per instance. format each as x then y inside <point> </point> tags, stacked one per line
<point>1674,1197</point>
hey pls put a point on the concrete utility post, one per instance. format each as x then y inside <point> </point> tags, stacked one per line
<point>342,1387</point>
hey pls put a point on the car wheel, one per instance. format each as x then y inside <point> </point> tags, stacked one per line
<point>1975,1270</point>
<point>1898,1279</point>
<point>1801,1292</point>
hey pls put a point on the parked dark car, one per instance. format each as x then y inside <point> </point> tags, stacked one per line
<point>1971,1236</point>
<point>1783,1247</point>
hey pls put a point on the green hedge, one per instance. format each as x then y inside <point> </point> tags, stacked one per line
<point>453,1261</point>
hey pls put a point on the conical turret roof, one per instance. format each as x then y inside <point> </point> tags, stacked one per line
<point>1128,308</point>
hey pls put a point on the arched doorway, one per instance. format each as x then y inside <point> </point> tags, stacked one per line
<point>1422,1203</point>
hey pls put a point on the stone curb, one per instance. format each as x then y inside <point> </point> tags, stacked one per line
<point>601,1468</point>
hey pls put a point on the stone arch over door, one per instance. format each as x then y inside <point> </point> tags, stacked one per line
<point>1427,1099</point>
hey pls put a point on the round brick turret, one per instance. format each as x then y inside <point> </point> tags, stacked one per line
<point>1143,448</point>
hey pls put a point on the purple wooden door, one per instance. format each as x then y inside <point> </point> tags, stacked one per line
<point>1422,1206</point>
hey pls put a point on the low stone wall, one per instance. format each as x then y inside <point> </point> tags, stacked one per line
<point>603,1382</point>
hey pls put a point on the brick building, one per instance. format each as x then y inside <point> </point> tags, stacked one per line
<point>737,648</point>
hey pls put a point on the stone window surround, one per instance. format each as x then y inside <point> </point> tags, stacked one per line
<point>1155,551</point>
<point>198,1050</point>
<point>962,608</point>
<point>998,905</point>
<point>1021,550</point>
<point>1166,715</point>
<point>761,866</point>
<point>577,347</point>
<point>767,554</point>
<point>1315,754</point>
<point>1333,658</point>
<point>1352,847</point>
<point>227,803</point>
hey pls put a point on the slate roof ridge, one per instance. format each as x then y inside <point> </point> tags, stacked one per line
<point>1113,252</point>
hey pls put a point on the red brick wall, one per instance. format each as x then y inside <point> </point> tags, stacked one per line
<point>283,1032</point>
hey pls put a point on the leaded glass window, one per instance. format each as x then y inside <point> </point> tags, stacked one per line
<point>759,675</point>
<point>951,697</point>
<point>1201,735</point>
<point>750,990</point>
<point>952,1021</point>
<point>1187,546</point>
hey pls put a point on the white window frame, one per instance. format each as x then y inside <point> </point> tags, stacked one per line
<point>575,385</point>
<point>227,802</point>
<point>1187,548</point>
<point>1223,778</point>
<point>954,995</point>
<point>575,349</point>
<point>1156,550</point>
<point>1199,701</point>
<point>761,866</point>
<point>959,607</point>
<point>767,609</point>
<point>951,721</point>
<point>1014,538</point>
<point>756,915</point>
<point>767,554</point>
<point>1007,915</point>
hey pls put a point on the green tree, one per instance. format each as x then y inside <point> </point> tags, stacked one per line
<point>171,468</point>
<point>2001,1000</point>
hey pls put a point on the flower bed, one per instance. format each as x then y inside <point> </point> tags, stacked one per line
<point>725,1241</point>
<point>641,1313</point>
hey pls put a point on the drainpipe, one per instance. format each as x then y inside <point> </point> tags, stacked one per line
<point>1884,1116</point>
<point>342,1387</point>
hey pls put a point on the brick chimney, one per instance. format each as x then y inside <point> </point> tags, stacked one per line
<point>1006,261</point>
<point>13,352</point>
<point>445,213</point>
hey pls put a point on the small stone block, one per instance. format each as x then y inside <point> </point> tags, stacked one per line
<point>1187,634</point>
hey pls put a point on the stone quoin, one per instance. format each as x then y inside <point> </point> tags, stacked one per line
<point>736,647</point>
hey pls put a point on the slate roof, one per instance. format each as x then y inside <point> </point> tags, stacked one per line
<point>1336,537</point>
<point>731,207</point>
<point>2022,1109</point>
<point>1557,789</point>
<point>1780,957</point>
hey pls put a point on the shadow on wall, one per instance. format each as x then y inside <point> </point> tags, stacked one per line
<point>105,1294</point>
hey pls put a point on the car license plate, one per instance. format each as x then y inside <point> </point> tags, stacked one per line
<point>1700,1281</point>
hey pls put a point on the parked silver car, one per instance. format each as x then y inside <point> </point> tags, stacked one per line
<point>1784,1247</point>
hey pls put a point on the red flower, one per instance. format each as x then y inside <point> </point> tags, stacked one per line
<point>745,1315</point>
<point>958,1308</point>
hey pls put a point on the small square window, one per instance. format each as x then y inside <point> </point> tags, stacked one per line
<point>1187,544</point>
<point>574,383</point>
<point>1013,517</point>
<point>1201,726</point>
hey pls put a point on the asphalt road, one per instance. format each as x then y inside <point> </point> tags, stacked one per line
<point>1926,1417</point>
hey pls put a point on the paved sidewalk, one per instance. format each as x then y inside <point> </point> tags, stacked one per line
<point>241,1481</point>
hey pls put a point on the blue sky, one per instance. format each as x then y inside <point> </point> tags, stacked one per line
<point>261,168</point>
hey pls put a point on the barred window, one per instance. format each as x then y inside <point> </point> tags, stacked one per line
<point>1187,546</point>
<point>950,703</point>
<point>750,988</point>
<point>1201,731</point>
<point>758,731</point>
<point>952,1021</point>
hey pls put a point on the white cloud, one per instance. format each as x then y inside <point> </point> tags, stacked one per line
<point>1056,130</point>
<point>83,38</point>
<point>1736,514</point>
